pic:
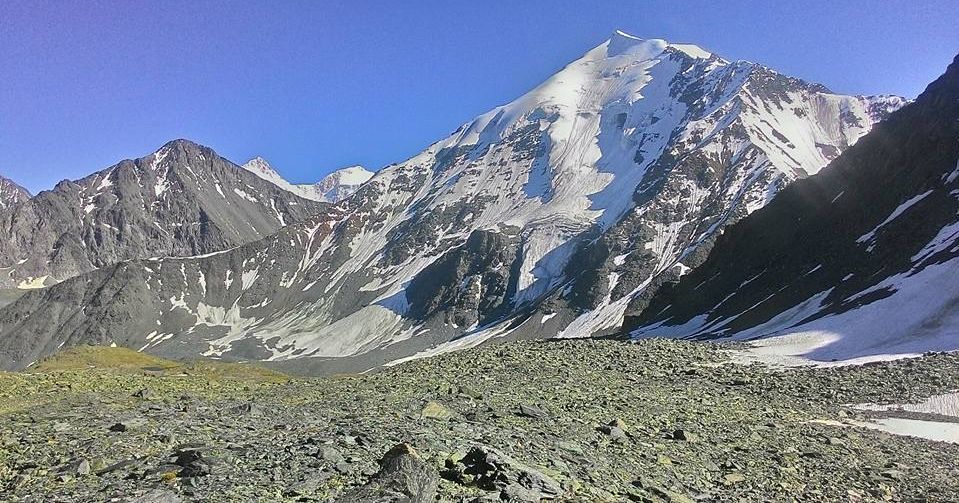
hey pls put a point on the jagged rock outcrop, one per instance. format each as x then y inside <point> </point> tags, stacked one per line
<point>11,193</point>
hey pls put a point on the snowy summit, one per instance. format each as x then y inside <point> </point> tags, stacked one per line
<point>333,188</point>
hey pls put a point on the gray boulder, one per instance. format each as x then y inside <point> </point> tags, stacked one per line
<point>490,469</point>
<point>403,478</point>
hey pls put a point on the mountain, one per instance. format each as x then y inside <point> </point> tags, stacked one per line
<point>11,193</point>
<point>859,261</point>
<point>547,214</point>
<point>182,200</point>
<point>342,183</point>
<point>333,188</point>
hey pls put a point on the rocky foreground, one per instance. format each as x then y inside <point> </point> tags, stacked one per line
<point>563,421</point>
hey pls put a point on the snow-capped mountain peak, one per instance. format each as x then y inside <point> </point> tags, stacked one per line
<point>261,167</point>
<point>351,175</point>
<point>342,183</point>
<point>622,43</point>
<point>334,187</point>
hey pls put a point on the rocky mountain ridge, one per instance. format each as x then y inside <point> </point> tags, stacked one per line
<point>858,261</point>
<point>11,193</point>
<point>182,200</point>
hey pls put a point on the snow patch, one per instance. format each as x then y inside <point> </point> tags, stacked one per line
<point>32,283</point>
<point>693,51</point>
<point>871,235</point>
<point>244,195</point>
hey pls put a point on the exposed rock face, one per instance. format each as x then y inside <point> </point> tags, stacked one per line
<point>11,193</point>
<point>547,214</point>
<point>183,200</point>
<point>861,259</point>
<point>469,285</point>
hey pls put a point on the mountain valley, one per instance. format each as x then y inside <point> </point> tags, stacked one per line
<point>550,215</point>
<point>658,276</point>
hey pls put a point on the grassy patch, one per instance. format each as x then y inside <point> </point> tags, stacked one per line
<point>100,357</point>
<point>122,360</point>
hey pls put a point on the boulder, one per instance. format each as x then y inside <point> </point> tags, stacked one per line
<point>403,478</point>
<point>490,469</point>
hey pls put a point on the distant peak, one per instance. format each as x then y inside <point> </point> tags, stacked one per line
<point>11,192</point>
<point>622,43</point>
<point>258,163</point>
<point>176,152</point>
<point>692,50</point>
<point>182,143</point>
<point>262,168</point>
<point>353,169</point>
<point>5,180</point>
<point>181,149</point>
<point>350,175</point>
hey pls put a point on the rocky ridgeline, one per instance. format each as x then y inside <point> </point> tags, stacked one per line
<point>547,421</point>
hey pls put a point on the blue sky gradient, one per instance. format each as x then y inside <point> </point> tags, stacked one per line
<point>316,85</point>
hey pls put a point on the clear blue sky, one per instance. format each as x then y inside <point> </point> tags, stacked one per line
<point>316,85</point>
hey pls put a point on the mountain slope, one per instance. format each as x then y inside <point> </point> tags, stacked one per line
<point>334,187</point>
<point>11,193</point>
<point>553,210</point>
<point>182,200</point>
<point>861,260</point>
<point>573,418</point>
<point>694,144</point>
